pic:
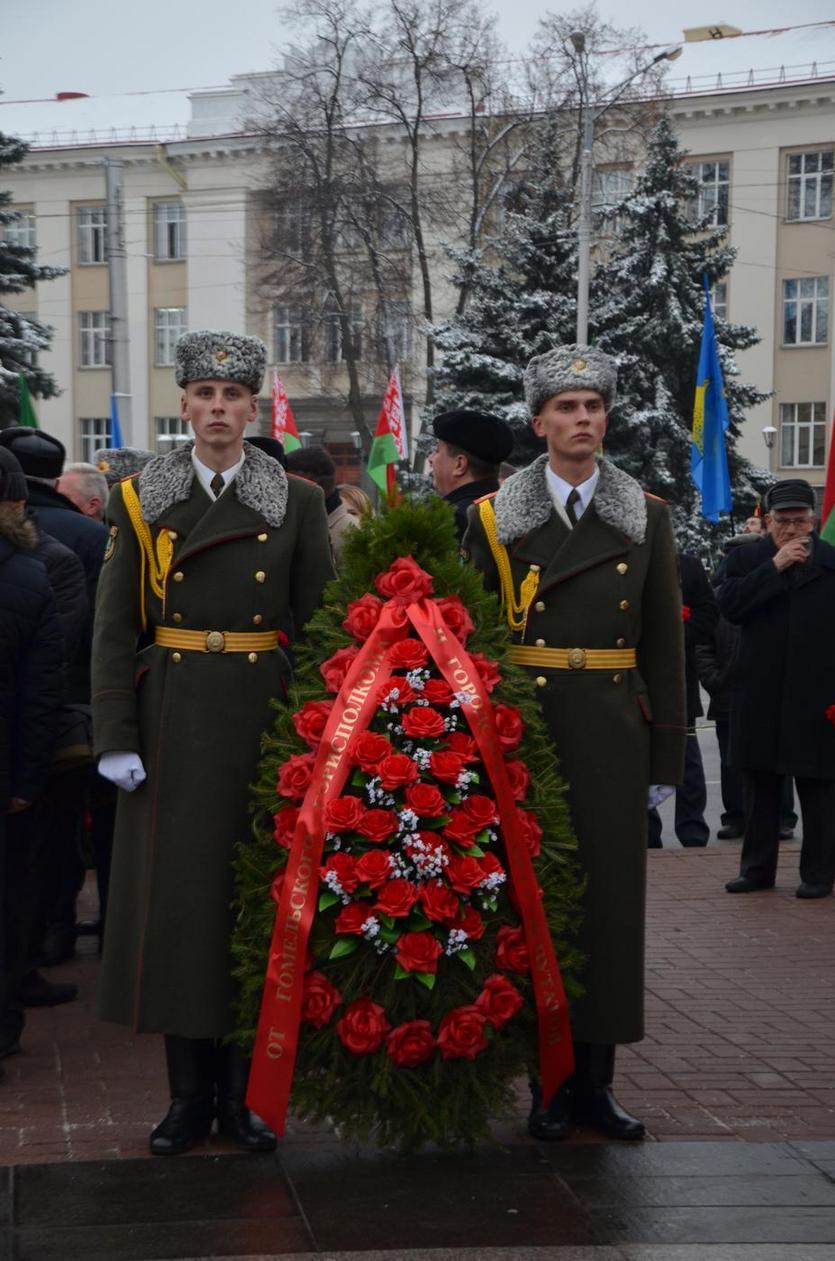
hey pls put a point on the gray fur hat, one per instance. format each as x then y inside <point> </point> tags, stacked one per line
<point>570,368</point>
<point>119,462</point>
<point>215,355</point>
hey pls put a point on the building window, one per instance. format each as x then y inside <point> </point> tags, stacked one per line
<point>806,311</point>
<point>712,197</point>
<point>334,348</point>
<point>21,231</point>
<point>720,299</point>
<point>169,231</point>
<point>802,435</point>
<point>395,332</point>
<point>94,327</point>
<point>169,326</point>
<point>292,228</point>
<point>809,185</point>
<point>291,335</point>
<point>610,188</point>
<point>92,246</point>
<point>94,433</point>
<point>170,432</point>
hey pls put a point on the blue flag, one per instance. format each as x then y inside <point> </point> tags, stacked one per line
<point>708,456</point>
<point>115,436</point>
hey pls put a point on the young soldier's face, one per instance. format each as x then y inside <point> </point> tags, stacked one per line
<point>218,412</point>
<point>572,423</point>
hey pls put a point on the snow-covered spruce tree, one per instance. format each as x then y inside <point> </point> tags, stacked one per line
<point>648,312</point>
<point>21,336</point>
<point>522,299</point>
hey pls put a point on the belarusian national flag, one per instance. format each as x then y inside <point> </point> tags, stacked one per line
<point>284,422</point>
<point>828,510</point>
<point>25,410</point>
<point>390,442</point>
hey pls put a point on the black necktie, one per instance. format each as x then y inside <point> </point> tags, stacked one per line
<point>573,498</point>
<point>216,485</point>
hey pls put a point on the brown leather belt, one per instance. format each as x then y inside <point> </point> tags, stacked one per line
<point>573,658</point>
<point>216,641</point>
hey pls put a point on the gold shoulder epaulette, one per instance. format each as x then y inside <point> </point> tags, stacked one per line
<point>157,559</point>
<point>516,611</point>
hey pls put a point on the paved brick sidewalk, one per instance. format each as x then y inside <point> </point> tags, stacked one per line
<point>740,1021</point>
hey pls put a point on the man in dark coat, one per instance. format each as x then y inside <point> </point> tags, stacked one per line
<point>213,550</point>
<point>594,601</point>
<point>469,450</point>
<point>781,591</point>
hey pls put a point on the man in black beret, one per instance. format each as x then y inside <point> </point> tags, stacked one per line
<point>781,591</point>
<point>470,449</point>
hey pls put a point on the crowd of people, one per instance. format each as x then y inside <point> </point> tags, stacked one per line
<point>183,580</point>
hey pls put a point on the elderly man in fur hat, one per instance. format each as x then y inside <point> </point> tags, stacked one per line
<point>213,553</point>
<point>592,596</point>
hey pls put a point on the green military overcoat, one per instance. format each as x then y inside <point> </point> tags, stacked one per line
<point>256,559</point>
<point>611,582</point>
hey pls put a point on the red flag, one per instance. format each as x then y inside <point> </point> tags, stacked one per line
<point>284,422</point>
<point>390,440</point>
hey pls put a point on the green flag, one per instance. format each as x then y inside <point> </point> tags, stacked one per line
<point>25,410</point>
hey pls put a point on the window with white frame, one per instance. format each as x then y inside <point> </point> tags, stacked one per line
<point>93,434</point>
<point>395,228</point>
<point>806,311</point>
<point>21,231</point>
<point>395,332</point>
<point>802,435</point>
<point>169,231</point>
<point>292,227</point>
<point>719,299</point>
<point>170,432</point>
<point>610,188</point>
<point>169,326</point>
<point>291,335</point>
<point>92,245</point>
<point>809,185</point>
<point>334,348</point>
<point>94,330</point>
<point>712,198</point>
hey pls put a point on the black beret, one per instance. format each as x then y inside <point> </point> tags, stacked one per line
<point>40,454</point>
<point>270,446</point>
<point>12,482</point>
<point>794,492</point>
<point>478,433</point>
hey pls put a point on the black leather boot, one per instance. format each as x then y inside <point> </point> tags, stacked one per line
<point>234,1119</point>
<point>554,1122</point>
<point>191,1080</point>
<point>593,1103</point>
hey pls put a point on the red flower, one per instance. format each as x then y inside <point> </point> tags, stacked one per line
<point>470,922</point>
<point>418,952</point>
<point>351,918</point>
<point>295,776</point>
<point>499,1000</point>
<point>285,825</point>
<point>405,693</point>
<point>437,692</point>
<point>482,811</point>
<point>410,1044</point>
<point>435,850</point>
<point>464,873</point>
<point>374,868</point>
<point>446,766</point>
<point>320,1000</point>
<point>509,725</point>
<point>362,616</point>
<point>334,670</point>
<point>490,866</point>
<point>423,723</point>
<point>512,950</point>
<point>829,713</point>
<point>404,581</point>
<point>408,654</point>
<point>425,800</point>
<point>685,612</point>
<point>396,898</point>
<point>310,721</point>
<point>378,825</point>
<point>456,617</point>
<point>531,832</point>
<point>368,749</point>
<point>465,746</point>
<point>461,829</point>
<point>519,777</point>
<point>397,770</point>
<point>343,867</point>
<point>344,815</point>
<point>461,1034</point>
<point>488,671</point>
<point>438,902</point>
<point>363,1026</point>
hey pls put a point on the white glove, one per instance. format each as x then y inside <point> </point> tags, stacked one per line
<point>657,794</point>
<point>125,770</point>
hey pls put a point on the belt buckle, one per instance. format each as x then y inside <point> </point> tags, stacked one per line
<point>577,658</point>
<point>215,641</point>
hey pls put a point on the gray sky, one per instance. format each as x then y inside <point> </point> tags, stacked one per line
<point>104,48</point>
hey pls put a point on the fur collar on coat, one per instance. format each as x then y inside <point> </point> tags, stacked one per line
<point>524,503</point>
<point>260,484</point>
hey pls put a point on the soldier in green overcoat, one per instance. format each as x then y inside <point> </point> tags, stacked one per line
<point>214,557</point>
<point>585,564</point>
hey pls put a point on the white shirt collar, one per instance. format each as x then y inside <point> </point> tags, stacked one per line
<point>206,474</point>
<point>560,489</point>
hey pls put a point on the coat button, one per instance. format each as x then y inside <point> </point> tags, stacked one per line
<point>540,680</point>
<point>260,576</point>
<point>621,643</point>
<point>540,643</point>
<point>539,607</point>
<point>262,538</point>
<point>176,657</point>
<point>176,617</point>
<point>178,576</point>
<point>258,619</point>
<point>624,604</point>
<point>617,678</point>
<point>622,567</point>
<point>252,657</point>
